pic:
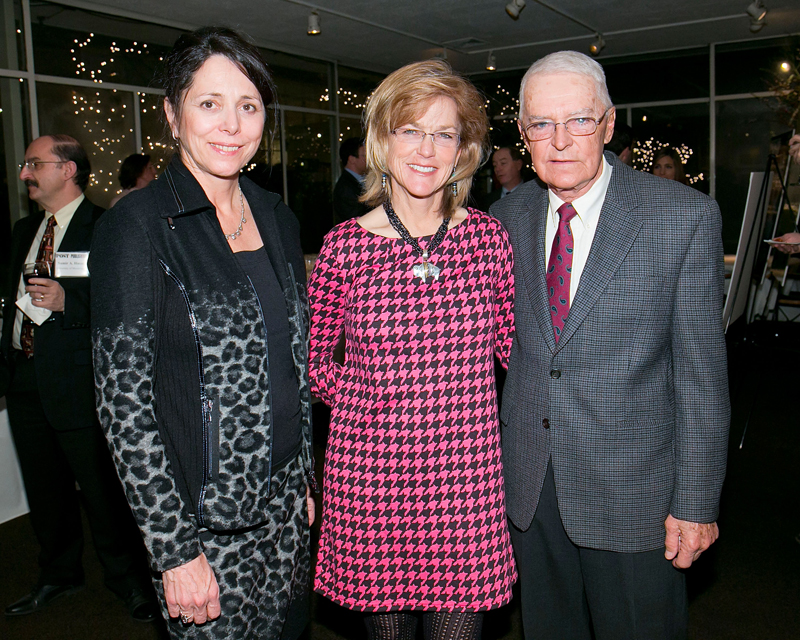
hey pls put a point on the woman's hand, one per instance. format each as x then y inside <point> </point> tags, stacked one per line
<point>312,507</point>
<point>192,592</point>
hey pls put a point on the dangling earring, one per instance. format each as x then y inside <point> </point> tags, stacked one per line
<point>383,181</point>
<point>455,189</point>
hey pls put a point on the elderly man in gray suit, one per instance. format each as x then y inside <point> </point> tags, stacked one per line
<point>615,412</point>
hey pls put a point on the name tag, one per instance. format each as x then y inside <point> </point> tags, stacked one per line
<point>72,264</point>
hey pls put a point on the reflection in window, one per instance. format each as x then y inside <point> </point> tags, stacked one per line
<point>101,120</point>
<point>744,129</point>
<point>156,142</point>
<point>12,41</point>
<point>309,175</point>
<point>14,138</point>
<point>684,128</point>
<point>75,43</point>
<point>355,87</point>
<point>301,82</point>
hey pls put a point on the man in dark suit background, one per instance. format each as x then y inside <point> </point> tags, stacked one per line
<point>50,397</point>
<point>353,155</point>
<point>615,411</point>
<point>621,143</point>
<point>507,167</point>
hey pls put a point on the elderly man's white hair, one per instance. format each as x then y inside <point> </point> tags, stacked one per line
<point>567,62</point>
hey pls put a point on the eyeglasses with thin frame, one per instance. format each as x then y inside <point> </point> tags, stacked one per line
<point>545,129</point>
<point>444,139</point>
<point>33,165</point>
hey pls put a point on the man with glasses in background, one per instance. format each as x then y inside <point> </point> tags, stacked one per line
<point>615,412</point>
<point>46,354</point>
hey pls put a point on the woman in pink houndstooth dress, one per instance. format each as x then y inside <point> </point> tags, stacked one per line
<point>422,290</point>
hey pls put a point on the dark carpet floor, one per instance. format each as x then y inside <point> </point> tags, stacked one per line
<point>747,587</point>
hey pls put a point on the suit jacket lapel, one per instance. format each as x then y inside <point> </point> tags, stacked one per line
<point>531,263</point>
<point>617,230</point>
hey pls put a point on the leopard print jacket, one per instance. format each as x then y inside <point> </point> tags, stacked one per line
<point>159,260</point>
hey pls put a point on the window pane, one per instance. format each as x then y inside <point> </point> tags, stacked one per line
<point>301,82</point>
<point>308,156</point>
<point>354,88</point>
<point>14,137</point>
<point>12,41</point>
<point>73,43</point>
<point>744,129</point>
<point>748,67</point>
<point>349,128</point>
<point>101,120</point>
<point>670,76</point>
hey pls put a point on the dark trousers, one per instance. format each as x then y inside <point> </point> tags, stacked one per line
<point>568,590</point>
<point>52,461</point>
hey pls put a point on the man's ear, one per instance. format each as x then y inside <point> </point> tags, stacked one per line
<point>69,169</point>
<point>610,121</point>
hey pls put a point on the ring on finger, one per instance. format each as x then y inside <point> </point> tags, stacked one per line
<point>186,617</point>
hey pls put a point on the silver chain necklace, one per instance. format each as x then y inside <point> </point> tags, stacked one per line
<point>238,232</point>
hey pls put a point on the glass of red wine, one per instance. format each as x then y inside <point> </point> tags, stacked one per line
<point>38,269</point>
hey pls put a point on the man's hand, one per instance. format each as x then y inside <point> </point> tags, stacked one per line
<point>312,507</point>
<point>685,541</point>
<point>792,238</point>
<point>192,592</point>
<point>46,293</point>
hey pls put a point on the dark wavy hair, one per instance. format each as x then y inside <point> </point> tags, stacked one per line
<point>191,50</point>
<point>131,168</point>
<point>68,149</point>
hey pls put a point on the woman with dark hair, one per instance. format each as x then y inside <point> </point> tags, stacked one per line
<point>668,164</point>
<point>135,172</point>
<point>422,289</point>
<point>199,328</point>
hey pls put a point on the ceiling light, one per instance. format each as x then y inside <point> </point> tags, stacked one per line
<point>313,24</point>
<point>514,8</point>
<point>757,11</point>
<point>597,46</point>
<point>756,25</point>
<point>491,63</point>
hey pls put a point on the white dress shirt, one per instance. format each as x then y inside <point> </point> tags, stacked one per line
<point>63,218</point>
<point>583,225</point>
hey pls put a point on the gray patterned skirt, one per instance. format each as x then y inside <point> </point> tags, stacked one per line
<point>263,573</point>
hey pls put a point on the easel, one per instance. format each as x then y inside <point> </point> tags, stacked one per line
<point>753,227</point>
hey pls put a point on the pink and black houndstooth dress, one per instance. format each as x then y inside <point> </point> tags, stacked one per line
<point>413,515</point>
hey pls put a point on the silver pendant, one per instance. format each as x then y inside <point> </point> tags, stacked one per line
<point>425,269</point>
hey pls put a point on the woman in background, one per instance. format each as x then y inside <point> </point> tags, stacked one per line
<point>667,164</point>
<point>199,329</point>
<point>422,289</point>
<point>135,172</point>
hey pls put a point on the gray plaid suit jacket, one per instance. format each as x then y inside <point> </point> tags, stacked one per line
<point>635,392</point>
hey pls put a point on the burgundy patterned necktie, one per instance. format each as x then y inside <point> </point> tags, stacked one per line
<point>559,269</point>
<point>45,254</point>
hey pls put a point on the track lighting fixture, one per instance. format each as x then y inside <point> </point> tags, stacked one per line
<point>514,8</point>
<point>313,24</point>
<point>757,12</point>
<point>597,46</point>
<point>491,63</point>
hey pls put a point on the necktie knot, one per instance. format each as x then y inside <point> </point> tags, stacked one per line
<point>567,212</point>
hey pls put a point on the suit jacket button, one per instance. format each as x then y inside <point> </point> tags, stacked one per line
<point>555,374</point>
<point>546,423</point>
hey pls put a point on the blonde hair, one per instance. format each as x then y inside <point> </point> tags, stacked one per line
<point>403,96</point>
